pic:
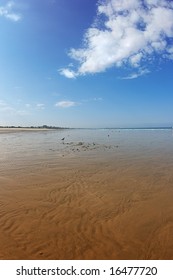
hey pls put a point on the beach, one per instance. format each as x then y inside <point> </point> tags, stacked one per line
<point>97,194</point>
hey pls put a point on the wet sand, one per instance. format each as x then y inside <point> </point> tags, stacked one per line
<point>21,129</point>
<point>88,203</point>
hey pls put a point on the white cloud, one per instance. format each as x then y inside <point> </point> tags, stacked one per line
<point>66,104</point>
<point>125,32</point>
<point>68,73</point>
<point>7,12</point>
<point>135,59</point>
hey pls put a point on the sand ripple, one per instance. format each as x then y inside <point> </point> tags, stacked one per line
<point>96,208</point>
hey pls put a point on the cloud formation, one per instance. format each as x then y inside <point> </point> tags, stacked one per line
<point>7,11</point>
<point>125,33</point>
<point>66,104</point>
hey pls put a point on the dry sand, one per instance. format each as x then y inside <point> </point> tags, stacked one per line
<point>84,207</point>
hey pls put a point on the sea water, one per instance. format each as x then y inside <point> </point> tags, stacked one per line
<point>22,147</point>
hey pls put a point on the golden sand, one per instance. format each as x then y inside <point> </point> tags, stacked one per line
<point>87,208</point>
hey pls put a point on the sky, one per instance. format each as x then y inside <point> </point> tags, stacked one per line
<point>86,63</point>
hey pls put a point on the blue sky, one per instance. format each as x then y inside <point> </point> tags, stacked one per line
<point>86,63</point>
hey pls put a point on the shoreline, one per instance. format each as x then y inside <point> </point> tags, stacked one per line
<point>28,129</point>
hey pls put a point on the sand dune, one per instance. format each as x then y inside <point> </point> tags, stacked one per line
<point>83,207</point>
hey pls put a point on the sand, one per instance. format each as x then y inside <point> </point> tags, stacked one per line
<point>21,129</point>
<point>87,205</point>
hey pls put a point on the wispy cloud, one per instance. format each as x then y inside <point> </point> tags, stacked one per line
<point>8,11</point>
<point>33,107</point>
<point>19,108</point>
<point>132,76</point>
<point>125,33</point>
<point>4,107</point>
<point>66,104</point>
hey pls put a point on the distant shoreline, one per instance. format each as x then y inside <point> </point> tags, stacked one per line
<point>46,128</point>
<point>27,129</point>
